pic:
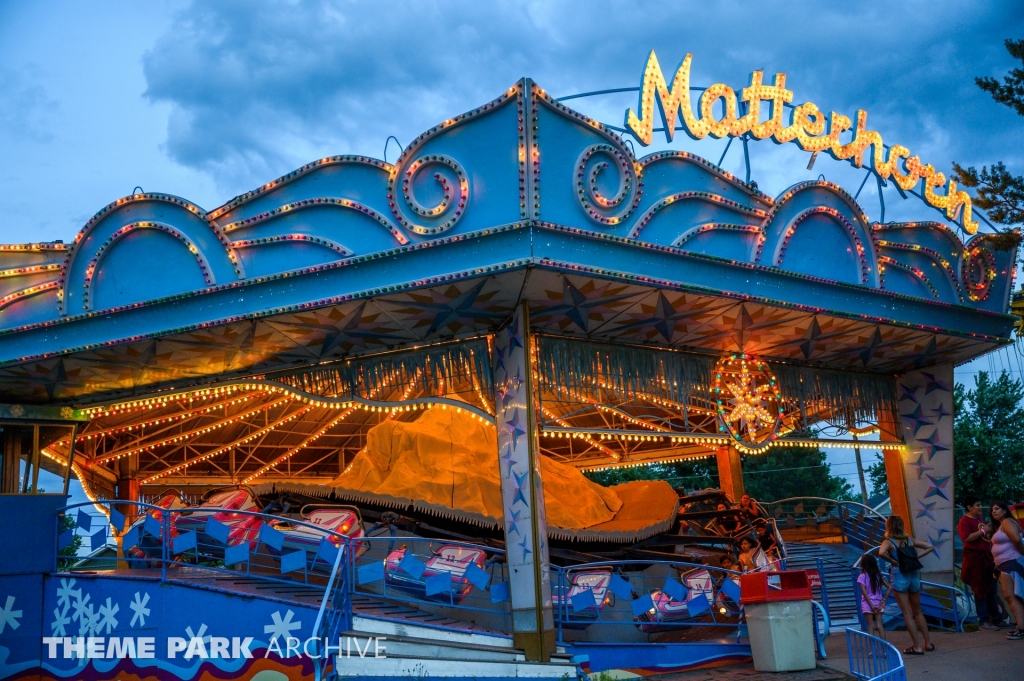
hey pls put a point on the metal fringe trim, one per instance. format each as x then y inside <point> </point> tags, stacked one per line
<point>429,368</point>
<point>581,367</point>
<point>845,393</point>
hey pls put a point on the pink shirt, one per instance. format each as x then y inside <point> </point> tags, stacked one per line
<point>1003,550</point>
<point>875,597</point>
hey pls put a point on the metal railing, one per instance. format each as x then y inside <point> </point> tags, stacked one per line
<point>191,544</point>
<point>243,546</point>
<point>442,577</point>
<point>940,603</point>
<point>647,597</point>
<point>873,659</point>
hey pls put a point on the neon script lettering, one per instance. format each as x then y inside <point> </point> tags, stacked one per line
<point>808,126</point>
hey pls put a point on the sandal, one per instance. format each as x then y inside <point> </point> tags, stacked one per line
<point>911,651</point>
<point>930,648</point>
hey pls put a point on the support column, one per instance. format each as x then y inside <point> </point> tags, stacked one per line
<point>522,493</point>
<point>730,471</point>
<point>921,479</point>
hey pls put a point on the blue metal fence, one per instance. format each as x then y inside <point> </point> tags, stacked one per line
<point>873,659</point>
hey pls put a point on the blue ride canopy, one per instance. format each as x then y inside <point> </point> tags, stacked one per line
<point>519,199</point>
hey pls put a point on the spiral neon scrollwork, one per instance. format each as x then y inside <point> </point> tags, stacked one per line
<point>608,210</point>
<point>449,174</point>
<point>977,270</point>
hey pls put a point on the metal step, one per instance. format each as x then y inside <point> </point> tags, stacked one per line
<point>400,628</point>
<point>450,668</point>
<point>404,646</point>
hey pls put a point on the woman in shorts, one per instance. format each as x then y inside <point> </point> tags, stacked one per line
<point>902,553</point>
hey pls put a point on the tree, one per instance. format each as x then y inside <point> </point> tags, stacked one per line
<point>690,475</point>
<point>780,473</point>
<point>988,438</point>
<point>878,479</point>
<point>69,554</point>
<point>785,472</point>
<point>996,190</point>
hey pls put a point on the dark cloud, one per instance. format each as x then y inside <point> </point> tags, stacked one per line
<point>259,88</point>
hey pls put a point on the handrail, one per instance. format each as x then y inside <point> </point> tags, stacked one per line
<point>204,509</point>
<point>873,659</point>
<point>837,502</point>
<point>567,618</point>
<point>953,593</point>
<point>819,637</point>
<point>320,665</point>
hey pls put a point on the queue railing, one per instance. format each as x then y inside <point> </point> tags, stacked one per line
<point>873,659</point>
<point>816,517</point>
<point>946,607</point>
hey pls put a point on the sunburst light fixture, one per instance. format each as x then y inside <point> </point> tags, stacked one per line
<point>747,398</point>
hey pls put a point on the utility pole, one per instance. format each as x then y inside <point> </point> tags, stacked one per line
<point>860,472</point>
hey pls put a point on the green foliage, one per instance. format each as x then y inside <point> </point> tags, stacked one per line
<point>988,438</point>
<point>785,472</point>
<point>69,552</point>
<point>877,479</point>
<point>1011,91</point>
<point>689,475</point>
<point>782,472</point>
<point>999,193</point>
<point>996,190</point>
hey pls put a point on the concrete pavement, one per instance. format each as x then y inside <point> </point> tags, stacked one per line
<point>981,656</point>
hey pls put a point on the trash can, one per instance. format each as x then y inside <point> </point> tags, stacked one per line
<point>780,620</point>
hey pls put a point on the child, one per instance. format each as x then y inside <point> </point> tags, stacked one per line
<point>728,563</point>
<point>747,546</point>
<point>874,591</point>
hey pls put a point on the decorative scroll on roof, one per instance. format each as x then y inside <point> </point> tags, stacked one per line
<point>348,252</point>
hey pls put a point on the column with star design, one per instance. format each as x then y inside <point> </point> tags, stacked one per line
<point>926,423</point>
<point>522,493</point>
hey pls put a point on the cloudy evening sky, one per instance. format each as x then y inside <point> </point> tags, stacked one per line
<point>206,100</point>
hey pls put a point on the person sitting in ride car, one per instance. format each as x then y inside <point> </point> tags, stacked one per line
<point>765,538</point>
<point>729,525</point>
<point>748,546</point>
<point>749,510</point>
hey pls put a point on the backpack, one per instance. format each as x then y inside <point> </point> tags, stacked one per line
<point>906,556</point>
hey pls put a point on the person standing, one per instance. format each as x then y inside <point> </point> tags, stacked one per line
<point>901,552</point>
<point>978,569</point>
<point>873,593</point>
<point>1007,551</point>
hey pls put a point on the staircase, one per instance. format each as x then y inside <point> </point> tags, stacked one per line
<point>426,651</point>
<point>837,576</point>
